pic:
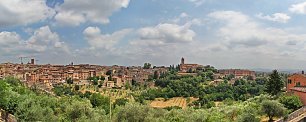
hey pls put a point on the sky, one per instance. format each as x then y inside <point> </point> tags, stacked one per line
<point>221,33</point>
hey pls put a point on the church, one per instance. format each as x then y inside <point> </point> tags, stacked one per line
<point>188,67</point>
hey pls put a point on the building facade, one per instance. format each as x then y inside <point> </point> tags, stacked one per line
<point>296,84</point>
<point>238,73</point>
<point>188,67</point>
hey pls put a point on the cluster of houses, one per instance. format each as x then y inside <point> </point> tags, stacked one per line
<point>113,76</point>
<point>49,75</point>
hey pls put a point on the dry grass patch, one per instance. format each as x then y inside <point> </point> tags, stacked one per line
<point>176,101</point>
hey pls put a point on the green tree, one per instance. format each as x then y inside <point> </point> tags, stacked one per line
<point>133,113</point>
<point>98,100</point>
<point>76,109</point>
<point>36,108</point>
<point>147,65</point>
<point>95,81</point>
<point>27,105</point>
<point>63,90</point>
<point>248,115</point>
<point>13,81</point>
<point>109,72</point>
<point>189,70</point>
<point>87,94</point>
<point>209,75</point>
<point>272,109</point>
<point>274,84</point>
<point>76,87</point>
<point>134,83</point>
<point>120,102</point>
<point>69,81</point>
<point>150,78</point>
<point>3,93</point>
<point>102,78</point>
<point>291,102</point>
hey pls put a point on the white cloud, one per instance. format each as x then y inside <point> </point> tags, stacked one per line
<point>237,27</point>
<point>163,34</point>
<point>75,12</point>
<point>299,8</point>
<point>197,2</point>
<point>97,40</point>
<point>134,46</point>
<point>43,40</point>
<point>9,41</point>
<point>240,29</point>
<point>244,38</point>
<point>162,43</point>
<point>23,12</point>
<point>276,17</point>
<point>69,18</point>
<point>183,15</point>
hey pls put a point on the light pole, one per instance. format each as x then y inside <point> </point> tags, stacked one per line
<point>110,106</point>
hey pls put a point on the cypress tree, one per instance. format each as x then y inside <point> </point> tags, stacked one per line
<point>274,84</point>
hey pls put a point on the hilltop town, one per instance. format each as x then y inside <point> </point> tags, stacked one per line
<point>48,75</point>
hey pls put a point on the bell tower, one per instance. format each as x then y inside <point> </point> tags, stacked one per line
<point>182,61</point>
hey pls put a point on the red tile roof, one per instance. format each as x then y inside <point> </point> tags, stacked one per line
<point>299,89</point>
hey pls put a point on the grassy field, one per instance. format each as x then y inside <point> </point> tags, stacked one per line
<point>120,93</point>
<point>176,101</point>
<point>112,93</point>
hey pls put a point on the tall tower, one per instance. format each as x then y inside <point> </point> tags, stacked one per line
<point>32,61</point>
<point>182,61</point>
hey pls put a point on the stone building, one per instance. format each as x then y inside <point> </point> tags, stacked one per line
<point>238,73</point>
<point>188,67</point>
<point>296,84</point>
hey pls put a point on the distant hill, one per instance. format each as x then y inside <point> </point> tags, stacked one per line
<point>289,71</point>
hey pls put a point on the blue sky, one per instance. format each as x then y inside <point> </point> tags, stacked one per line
<point>225,34</point>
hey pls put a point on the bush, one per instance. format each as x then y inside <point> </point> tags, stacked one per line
<point>248,117</point>
<point>291,102</point>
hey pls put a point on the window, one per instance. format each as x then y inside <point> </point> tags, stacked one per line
<point>289,81</point>
<point>298,84</point>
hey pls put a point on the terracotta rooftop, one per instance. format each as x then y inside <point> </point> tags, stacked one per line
<point>299,74</point>
<point>300,89</point>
